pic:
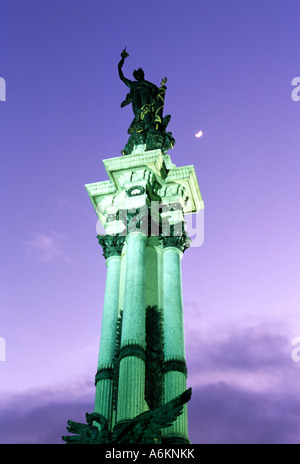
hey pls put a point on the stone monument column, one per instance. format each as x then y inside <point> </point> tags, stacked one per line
<point>112,248</point>
<point>141,390</point>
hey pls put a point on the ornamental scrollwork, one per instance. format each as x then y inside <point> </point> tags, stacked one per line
<point>112,245</point>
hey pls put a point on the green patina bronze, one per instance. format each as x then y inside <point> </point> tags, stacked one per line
<point>143,429</point>
<point>149,125</point>
<point>154,385</point>
<point>175,365</point>
<point>104,374</point>
<point>116,362</point>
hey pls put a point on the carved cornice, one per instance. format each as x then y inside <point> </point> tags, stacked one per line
<point>151,158</point>
<point>148,170</point>
<point>105,187</point>
<point>112,245</point>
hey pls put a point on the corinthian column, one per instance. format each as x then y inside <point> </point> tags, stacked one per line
<point>112,248</point>
<point>131,387</point>
<point>174,346</point>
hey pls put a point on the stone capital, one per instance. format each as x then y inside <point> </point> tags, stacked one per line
<point>177,238</point>
<point>181,242</point>
<point>112,245</point>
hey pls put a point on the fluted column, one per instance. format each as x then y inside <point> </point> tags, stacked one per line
<point>112,248</point>
<point>131,387</point>
<point>174,345</point>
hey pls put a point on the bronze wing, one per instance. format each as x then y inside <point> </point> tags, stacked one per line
<point>146,427</point>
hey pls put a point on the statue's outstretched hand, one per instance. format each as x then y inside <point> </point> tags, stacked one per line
<point>124,53</point>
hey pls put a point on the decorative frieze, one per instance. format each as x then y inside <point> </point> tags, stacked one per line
<point>135,190</point>
<point>160,178</point>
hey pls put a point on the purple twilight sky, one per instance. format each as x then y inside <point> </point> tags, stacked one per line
<point>230,66</point>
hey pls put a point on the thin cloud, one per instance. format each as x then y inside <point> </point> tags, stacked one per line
<point>43,424</point>
<point>66,204</point>
<point>255,358</point>
<point>217,414</point>
<point>40,416</point>
<point>222,414</point>
<point>47,247</point>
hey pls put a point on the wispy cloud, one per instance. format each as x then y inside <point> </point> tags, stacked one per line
<point>245,384</point>
<point>218,413</point>
<point>66,204</point>
<point>40,417</point>
<point>47,247</point>
<point>255,358</point>
<point>224,414</point>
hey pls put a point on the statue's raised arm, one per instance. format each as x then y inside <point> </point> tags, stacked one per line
<point>124,55</point>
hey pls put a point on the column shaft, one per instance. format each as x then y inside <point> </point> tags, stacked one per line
<point>173,307</point>
<point>104,379</point>
<point>131,388</point>
<point>175,367</point>
<point>110,311</point>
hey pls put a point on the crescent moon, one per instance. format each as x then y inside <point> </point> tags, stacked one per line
<point>199,134</point>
